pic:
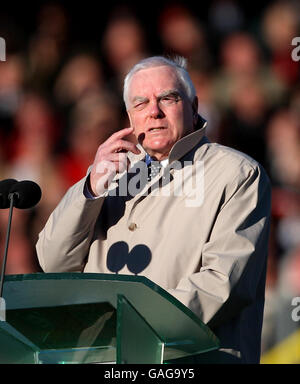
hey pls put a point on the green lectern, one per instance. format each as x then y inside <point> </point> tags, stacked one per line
<point>76,318</point>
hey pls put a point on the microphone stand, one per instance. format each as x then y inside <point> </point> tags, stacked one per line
<point>11,198</point>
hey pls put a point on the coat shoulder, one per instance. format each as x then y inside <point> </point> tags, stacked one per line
<point>230,156</point>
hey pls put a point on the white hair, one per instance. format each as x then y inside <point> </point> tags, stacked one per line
<point>179,63</point>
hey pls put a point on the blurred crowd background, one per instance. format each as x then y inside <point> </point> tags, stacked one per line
<point>61,96</point>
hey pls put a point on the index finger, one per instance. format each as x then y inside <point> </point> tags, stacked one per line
<point>120,134</point>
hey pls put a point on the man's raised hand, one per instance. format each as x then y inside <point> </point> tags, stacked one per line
<point>111,158</point>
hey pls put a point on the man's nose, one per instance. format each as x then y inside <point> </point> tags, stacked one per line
<point>155,111</point>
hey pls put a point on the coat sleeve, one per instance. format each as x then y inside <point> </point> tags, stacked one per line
<point>64,242</point>
<point>233,260</point>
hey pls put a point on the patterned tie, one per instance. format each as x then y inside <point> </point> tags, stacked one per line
<point>154,167</point>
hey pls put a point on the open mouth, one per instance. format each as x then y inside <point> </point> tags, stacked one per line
<point>157,129</point>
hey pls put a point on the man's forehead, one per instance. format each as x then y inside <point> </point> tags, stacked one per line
<point>159,78</point>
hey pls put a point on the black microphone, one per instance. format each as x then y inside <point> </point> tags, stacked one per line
<point>5,186</point>
<point>23,194</point>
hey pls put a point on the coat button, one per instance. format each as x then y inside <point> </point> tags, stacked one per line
<point>132,227</point>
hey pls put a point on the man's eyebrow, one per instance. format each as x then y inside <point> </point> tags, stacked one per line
<point>139,98</point>
<point>170,92</point>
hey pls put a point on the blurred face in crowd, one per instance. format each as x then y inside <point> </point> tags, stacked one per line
<point>159,110</point>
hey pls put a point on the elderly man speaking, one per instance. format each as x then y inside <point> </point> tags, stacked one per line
<point>190,215</point>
